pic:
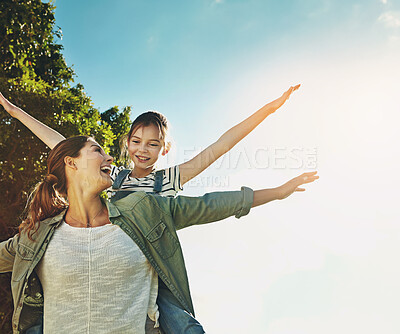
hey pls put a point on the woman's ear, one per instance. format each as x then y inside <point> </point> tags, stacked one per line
<point>167,147</point>
<point>69,162</point>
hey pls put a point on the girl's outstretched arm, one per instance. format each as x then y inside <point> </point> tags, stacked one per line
<point>230,138</point>
<point>46,134</point>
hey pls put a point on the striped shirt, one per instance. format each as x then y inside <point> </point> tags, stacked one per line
<point>170,186</point>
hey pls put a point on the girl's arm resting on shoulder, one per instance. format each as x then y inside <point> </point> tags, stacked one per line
<point>229,139</point>
<point>7,254</point>
<point>46,134</point>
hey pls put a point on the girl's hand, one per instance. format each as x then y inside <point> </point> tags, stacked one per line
<point>285,96</point>
<point>8,106</point>
<point>291,186</point>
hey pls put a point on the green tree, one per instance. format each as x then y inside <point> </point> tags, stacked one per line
<point>34,76</point>
<point>27,42</point>
<point>120,123</point>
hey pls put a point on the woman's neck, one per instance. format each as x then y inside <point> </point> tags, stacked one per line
<point>85,210</point>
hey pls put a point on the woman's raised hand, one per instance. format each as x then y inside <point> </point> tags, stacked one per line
<point>293,185</point>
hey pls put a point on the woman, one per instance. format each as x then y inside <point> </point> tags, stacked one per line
<point>90,266</point>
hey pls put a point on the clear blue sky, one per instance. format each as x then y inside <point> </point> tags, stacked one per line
<point>324,261</point>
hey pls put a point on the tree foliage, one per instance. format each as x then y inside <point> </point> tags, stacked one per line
<point>27,38</point>
<point>120,124</point>
<point>35,76</point>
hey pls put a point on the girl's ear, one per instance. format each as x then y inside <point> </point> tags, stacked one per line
<point>167,147</point>
<point>69,162</point>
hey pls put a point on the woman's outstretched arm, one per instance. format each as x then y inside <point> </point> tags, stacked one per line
<point>215,206</point>
<point>267,195</point>
<point>230,138</point>
<point>46,134</point>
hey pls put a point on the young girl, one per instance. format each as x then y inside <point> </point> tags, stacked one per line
<point>90,266</point>
<point>144,144</point>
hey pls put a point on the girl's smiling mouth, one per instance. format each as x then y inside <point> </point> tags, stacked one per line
<point>142,159</point>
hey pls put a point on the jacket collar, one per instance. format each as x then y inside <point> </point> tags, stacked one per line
<point>113,212</point>
<point>56,219</point>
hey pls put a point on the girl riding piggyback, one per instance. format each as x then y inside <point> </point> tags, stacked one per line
<point>145,142</point>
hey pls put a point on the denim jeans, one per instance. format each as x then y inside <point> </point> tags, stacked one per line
<point>37,328</point>
<point>173,318</point>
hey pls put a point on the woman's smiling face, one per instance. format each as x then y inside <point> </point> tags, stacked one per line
<point>93,166</point>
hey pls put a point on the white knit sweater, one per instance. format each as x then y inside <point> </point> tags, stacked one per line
<point>96,280</point>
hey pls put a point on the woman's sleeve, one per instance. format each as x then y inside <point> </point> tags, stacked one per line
<point>211,207</point>
<point>7,254</point>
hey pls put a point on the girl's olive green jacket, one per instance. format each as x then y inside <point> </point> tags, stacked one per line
<point>150,220</point>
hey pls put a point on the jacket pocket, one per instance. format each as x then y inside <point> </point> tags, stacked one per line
<point>22,262</point>
<point>162,240</point>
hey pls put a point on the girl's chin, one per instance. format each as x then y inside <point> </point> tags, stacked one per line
<point>143,165</point>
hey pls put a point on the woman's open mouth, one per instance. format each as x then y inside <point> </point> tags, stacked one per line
<point>106,170</point>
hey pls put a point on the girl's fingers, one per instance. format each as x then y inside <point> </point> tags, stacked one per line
<point>300,189</point>
<point>310,173</point>
<point>293,88</point>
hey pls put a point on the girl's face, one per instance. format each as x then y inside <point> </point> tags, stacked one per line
<point>145,146</point>
<point>93,167</point>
